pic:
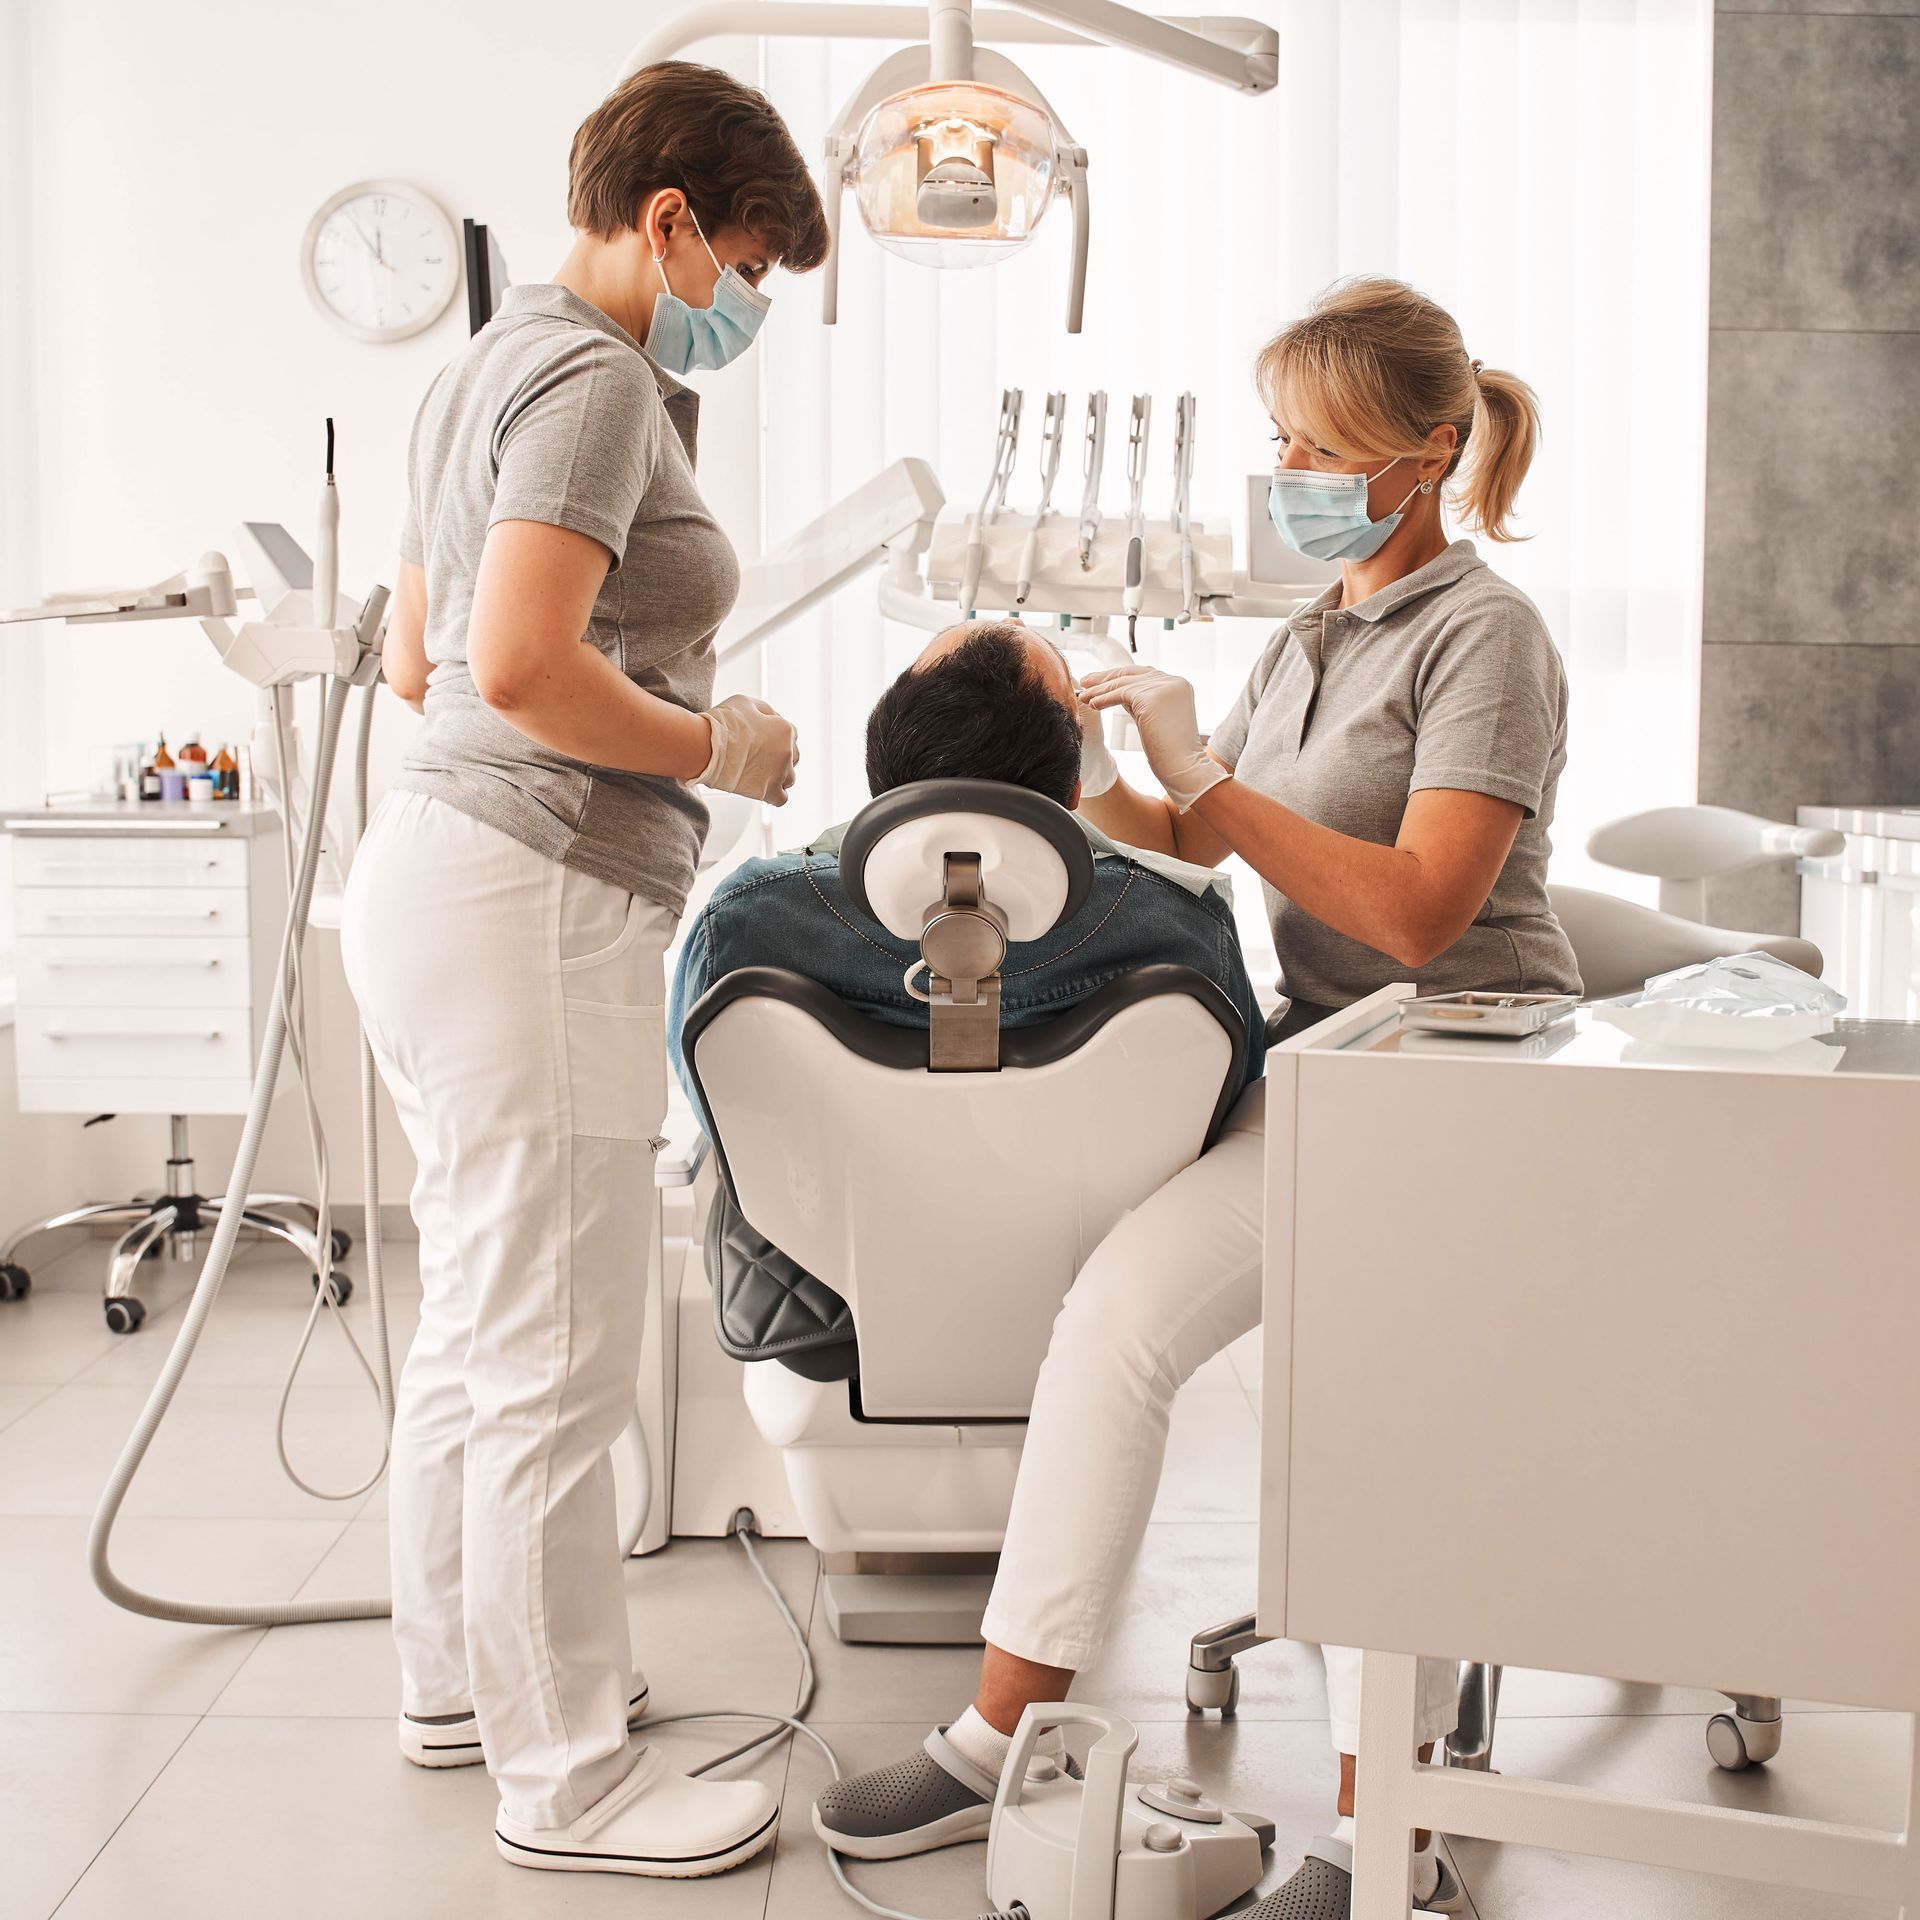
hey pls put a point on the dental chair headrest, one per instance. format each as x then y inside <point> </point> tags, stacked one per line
<point>1036,864</point>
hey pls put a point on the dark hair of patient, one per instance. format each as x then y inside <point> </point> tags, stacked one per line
<point>980,712</point>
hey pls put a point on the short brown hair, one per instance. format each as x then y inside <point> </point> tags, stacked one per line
<point>676,124</point>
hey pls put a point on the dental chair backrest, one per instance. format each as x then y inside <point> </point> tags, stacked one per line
<point>949,1183</point>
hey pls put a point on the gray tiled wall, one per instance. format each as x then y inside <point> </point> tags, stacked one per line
<point>1810,680</point>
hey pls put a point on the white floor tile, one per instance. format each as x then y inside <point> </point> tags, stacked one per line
<point>15,1400</point>
<point>250,1338</point>
<point>50,1336</point>
<point>318,1819</point>
<point>331,1669</point>
<point>68,1782</point>
<point>65,1649</point>
<point>213,1456</point>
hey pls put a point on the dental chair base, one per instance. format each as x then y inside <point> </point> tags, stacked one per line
<point>1106,1847</point>
<point>887,1503</point>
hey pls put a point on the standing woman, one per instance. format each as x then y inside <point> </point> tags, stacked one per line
<point>560,587</point>
<point>1389,772</point>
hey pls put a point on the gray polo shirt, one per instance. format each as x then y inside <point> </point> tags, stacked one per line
<point>552,412</point>
<point>1447,678</point>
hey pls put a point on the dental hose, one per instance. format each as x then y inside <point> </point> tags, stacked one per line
<point>226,1235</point>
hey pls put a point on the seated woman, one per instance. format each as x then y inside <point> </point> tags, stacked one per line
<point>984,701</point>
<point>1389,770</point>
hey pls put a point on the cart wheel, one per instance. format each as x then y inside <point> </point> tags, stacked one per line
<point>124,1316</point>
<point>1215,1692</point>
<point>342,1243</point>
<point>1737,1744</point>
<point>342,1288</point>
<point>14,1282</point>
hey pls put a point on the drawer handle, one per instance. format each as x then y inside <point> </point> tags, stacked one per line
<point>66,966</point>
<point>132,1033</point>
<point>116,869</point>
<point>133,913</point>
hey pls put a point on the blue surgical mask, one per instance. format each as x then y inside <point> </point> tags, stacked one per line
<point>682,338</point>
<point>1324,515</point>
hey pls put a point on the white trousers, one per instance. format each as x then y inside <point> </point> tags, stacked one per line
<point>1177,1280</point>
<point>516,1010</point>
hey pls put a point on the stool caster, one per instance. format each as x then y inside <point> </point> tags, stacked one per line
<point>342,1243</point>
<point>124,1315</point>
<point>1737,1743</point>
<point>15,1284</point>
<point>1213,1692</point>
<point>342,1288</point>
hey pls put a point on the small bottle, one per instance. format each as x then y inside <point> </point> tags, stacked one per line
<point>226,776</point>
<point>149,782</point>
<point>173,783</point>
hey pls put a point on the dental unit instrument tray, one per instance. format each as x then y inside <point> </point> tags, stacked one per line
<point>1486,1016</point>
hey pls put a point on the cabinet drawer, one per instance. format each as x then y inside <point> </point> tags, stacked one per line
<point>143,1043</point>
<point>142,971</point>
<point>127,860</point>
<point>169,913</point>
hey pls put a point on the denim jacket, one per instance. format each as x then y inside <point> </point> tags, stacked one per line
<point>791,911</point>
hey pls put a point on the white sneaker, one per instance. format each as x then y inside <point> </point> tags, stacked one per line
<point>655,1822</point>
<point>456,1743</point>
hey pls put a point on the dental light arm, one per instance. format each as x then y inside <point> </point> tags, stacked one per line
<point>954,154</point>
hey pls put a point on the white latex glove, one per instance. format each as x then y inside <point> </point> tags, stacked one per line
<point>1098,768</point>
<point>1163,710</point>
<point>755,750</point>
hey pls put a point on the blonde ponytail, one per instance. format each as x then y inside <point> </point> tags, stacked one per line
<point>1373,367</point>
<point>1505,431</point>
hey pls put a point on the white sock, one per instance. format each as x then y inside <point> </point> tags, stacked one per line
<point>975,1738</point>
<point>1426,1863</point>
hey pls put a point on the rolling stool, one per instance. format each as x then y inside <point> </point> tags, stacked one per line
<point>173,1222</point>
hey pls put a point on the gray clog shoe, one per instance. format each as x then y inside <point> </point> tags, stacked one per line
<point>1322,1888</point>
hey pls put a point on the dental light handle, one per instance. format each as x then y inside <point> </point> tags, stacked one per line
<point>1096,1852</point>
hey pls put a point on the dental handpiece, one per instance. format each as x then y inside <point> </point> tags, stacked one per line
<point>1139,432</point>
<point>1095,456</point>
<point>1052,433</point>
<point>1183,429</point>
<point>1006,445</point>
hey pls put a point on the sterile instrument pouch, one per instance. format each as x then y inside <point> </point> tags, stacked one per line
<point>1752,1002</point>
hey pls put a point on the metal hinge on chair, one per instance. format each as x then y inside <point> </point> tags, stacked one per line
<point>962,942</point>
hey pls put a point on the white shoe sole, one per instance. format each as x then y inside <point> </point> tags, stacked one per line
<point>456,1743</point>
<point>584,1860</point>
<point>951,1831</point>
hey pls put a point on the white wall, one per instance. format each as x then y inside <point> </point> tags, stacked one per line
<point>163,374</point>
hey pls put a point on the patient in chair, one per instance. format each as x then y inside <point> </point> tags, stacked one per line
<point>988,700</point>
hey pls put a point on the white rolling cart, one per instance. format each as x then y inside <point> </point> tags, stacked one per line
<point>146,943</point>
<point>1674,1437</point>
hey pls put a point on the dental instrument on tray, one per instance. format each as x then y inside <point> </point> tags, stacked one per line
<point>1095,456</point>
<point>1139,432</point>
<point>1183,413</point>
<point>1005,446</point>
<point>1052,432</point>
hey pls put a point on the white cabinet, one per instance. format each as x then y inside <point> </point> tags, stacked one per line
<point>146,942</point>
<point>1863,909</point>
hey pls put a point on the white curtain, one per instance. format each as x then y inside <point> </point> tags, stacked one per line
<point>1539,166</point>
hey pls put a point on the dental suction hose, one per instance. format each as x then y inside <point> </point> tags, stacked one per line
<point>220,1255</point>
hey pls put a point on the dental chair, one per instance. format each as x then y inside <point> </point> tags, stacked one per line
<point>1619,945</point>
<point>902,1210</point>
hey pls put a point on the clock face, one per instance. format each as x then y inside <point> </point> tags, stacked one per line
<point>381,260</point>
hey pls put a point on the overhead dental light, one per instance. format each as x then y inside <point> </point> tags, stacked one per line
<point>952,153</point>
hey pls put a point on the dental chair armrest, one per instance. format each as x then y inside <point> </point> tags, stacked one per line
<point>676,1166</point>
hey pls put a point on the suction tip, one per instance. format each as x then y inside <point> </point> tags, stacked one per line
<point>329,446</point>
